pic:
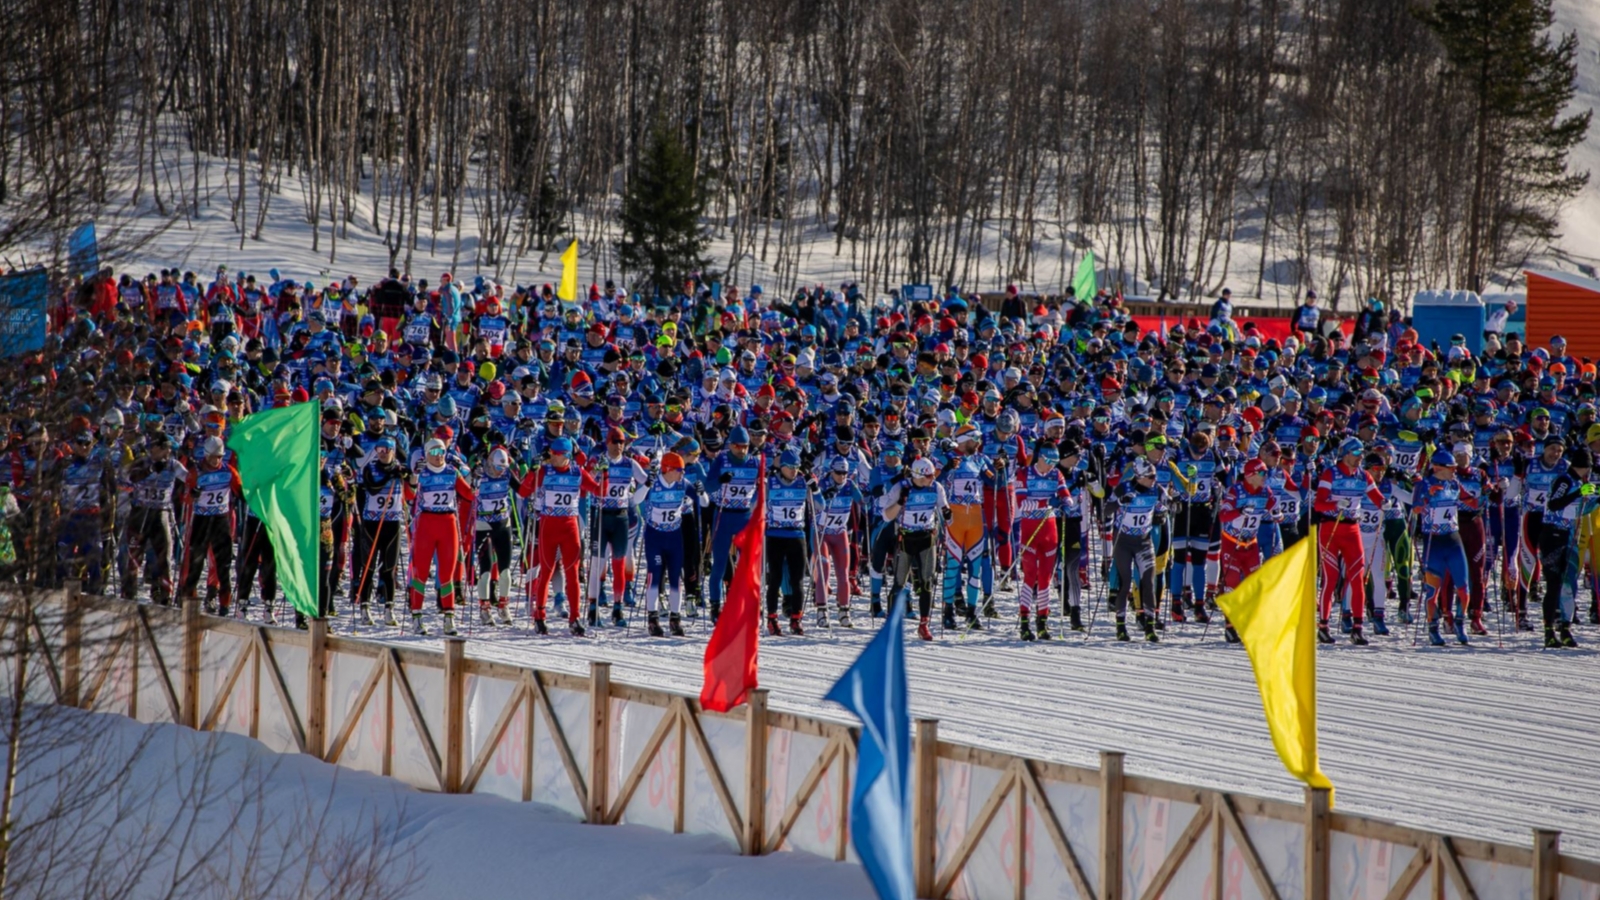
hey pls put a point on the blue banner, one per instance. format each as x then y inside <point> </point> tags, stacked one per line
<point>23,297</point>
<point>83,251</point>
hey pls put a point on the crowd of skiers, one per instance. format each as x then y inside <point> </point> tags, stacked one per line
<point>487,439</point>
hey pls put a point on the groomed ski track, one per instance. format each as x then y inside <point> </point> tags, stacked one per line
<point>1480,742</point>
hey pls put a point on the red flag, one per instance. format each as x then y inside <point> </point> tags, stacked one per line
<point>730,665</point>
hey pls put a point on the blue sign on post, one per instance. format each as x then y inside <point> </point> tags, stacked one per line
<point>23,297</point>
<point>83,251</point>
<point>911,293</point>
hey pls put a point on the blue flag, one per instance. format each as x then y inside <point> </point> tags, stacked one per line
<point>874,688</point>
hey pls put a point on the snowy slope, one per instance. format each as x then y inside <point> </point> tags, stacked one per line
<point>461,846</point>
<point>1483,742</point>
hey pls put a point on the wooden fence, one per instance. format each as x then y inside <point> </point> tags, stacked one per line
<point>987,824</point>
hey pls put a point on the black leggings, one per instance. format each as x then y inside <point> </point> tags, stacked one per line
<point>1131,552</point>
<point>786,555</point>
<point>212,535</point>
<point>258,556</point>
<point>915,556</point>
<point>377,552</point>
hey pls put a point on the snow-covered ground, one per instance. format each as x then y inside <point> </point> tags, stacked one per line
<point>1484,742</point>
<point>447,846</point>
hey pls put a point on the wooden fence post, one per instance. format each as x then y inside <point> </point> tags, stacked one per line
<point>72,647</point>
<point>599,737</point>
<point>755,771</point>
<point>1546,864</point>
<point>1111,783</point>
<point>925,811</point>
<point>316,705</point>
<point>1318,843</point>
<point>455,715</point>
<point>190,665</point>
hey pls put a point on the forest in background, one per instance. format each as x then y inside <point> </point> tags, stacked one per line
<point>1366,147</point>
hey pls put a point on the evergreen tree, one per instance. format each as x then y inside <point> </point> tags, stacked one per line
<point>661,236</point>
<point>1519,82</point>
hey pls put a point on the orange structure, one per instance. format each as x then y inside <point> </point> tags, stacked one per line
<point>1564,304</point>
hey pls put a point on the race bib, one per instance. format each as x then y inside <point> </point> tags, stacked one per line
<point>212,502</point>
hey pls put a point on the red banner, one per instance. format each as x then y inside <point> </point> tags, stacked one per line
<point>1265,328</point>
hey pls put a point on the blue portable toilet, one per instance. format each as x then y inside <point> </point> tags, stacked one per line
<point>1438,315</point>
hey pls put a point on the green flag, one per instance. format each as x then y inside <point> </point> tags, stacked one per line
<point>1083,284</point>
<point>280,458</point>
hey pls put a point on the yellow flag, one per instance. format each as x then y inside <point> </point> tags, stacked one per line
<point>568,290</point>
<point>1274,611</point>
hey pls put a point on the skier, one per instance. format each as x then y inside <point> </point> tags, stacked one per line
<point>436,533</point>
<point>664,504</point>
<point>1571,497</point>
<point>733,480</point>
<point>556,487</point>
<point>1445,584</point>
<point>839,502</point>
<point>1245,506</point>
<point>382,493</point>
<point>965,540</point>
<point>790,501</point>
<point>916,505</point>
<point>1134,509</point>
<point>492,535</point>
<point>154,479</point>
<point>212,486</point>
<point>619,476</point>
<point>1040,491</point>
<point>1340,490</point>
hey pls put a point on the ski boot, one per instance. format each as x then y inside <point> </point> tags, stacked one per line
<point>1476,626</point>
<point>675,625</point>
<point>416,624</point>
<point>300,622</point>
<point>575,628</point>
<point>1025,628</point>
<point>450,624</point>
<point>772,625</point>
<point>593,615</point>
<point>822,615</point>
<point>1356,637</point>
<point>923,631</point>
<point>989,612</point>
<point>949,618</point>
<point>539,627</point>
<point>1434,637</point>
<point>224,610</point>
<point>1567,640</point>
<point>716,612</point>
<point>616,617</point>
<point>1378,626</point>
<point>389,617</point>
<point>1230,634</point>
<point>1345,622</point>
<point>270,616</point>
<point>1178,618</point>
<point>971,615</point>
<point>1122,629</point>
<point>1551,642</point>
<point>1074,618</point>
<point>1149,630</point>
<point>653,625</point>
<point>1324,636</point>
<point>484,617</point>
<point>364,615</point>
<point>1201,614</point>
<point>875,611</point>
<point>1461,633</point>
<point>795,626</point>
<point>502,617</point>
<point>1405,615</point>
<point>844,617</point>
<point>210,605</point>
<point>1041,624</point>
<point>1522,622</point>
